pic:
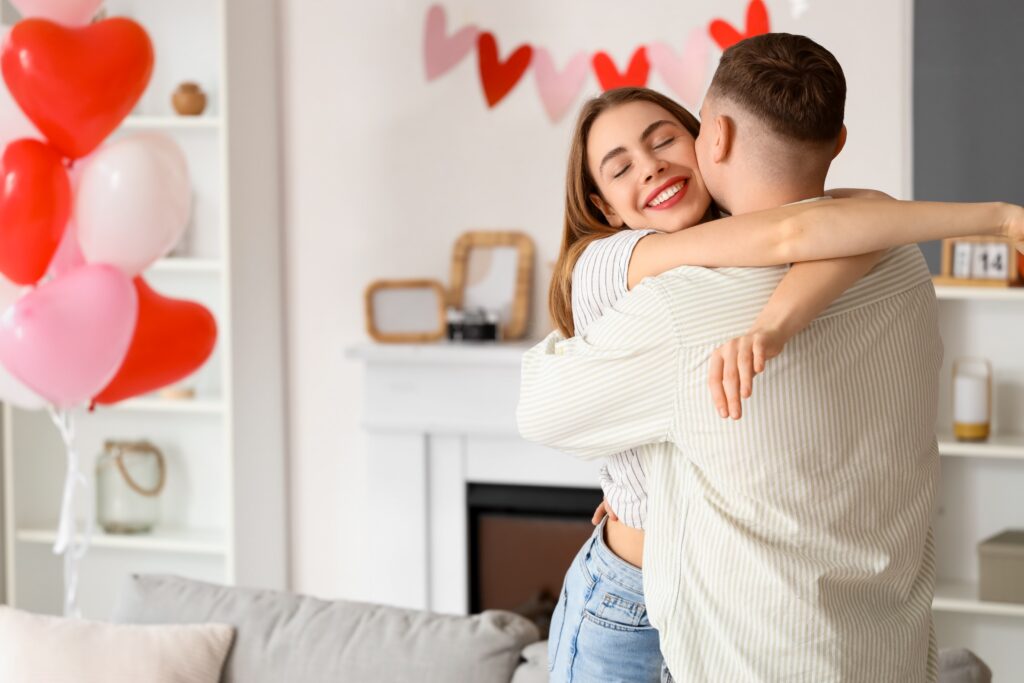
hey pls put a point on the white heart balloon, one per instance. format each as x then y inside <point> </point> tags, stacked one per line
<point>132,202</point>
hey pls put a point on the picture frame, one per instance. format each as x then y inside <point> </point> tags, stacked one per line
<point>493,270</point>
<point>405,311</point>
<point>980,262</point>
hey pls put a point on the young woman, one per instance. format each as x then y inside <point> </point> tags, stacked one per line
<point>634,193</point>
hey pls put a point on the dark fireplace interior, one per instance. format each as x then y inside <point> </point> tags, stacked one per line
<point>521,542</point>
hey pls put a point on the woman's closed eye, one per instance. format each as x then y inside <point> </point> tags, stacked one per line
<point>664,143</point>
<point>621,172</point>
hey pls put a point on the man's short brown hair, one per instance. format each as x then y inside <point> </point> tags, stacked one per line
<point>788,81</point>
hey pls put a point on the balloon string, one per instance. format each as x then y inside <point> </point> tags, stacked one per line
<point>68,543</point>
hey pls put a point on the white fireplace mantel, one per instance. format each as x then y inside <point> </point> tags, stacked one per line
<point>438,417</point>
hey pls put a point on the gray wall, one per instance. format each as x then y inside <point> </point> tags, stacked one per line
<point>968,102</point>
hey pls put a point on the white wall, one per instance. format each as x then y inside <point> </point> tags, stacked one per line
<point>383,170</point>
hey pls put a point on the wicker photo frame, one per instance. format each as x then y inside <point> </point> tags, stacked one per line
<point>390,303</point>
<point>513,305</point>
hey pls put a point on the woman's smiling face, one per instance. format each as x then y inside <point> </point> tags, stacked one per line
<point>642,160</point>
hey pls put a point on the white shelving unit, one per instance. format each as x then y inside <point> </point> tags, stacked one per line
<point>980,491</point>
<point>223,508</point>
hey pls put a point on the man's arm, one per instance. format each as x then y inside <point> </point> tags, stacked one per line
<point>612,389</point>
<point>806,290</point>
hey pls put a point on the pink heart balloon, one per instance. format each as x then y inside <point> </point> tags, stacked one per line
<point>559,89</point>
<point>441,52</point>
<point>66,339</point>
<point>67,12</point>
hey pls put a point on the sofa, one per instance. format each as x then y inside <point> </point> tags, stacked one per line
<point>285,638</point>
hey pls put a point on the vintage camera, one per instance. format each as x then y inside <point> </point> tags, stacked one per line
<point>473,325</point>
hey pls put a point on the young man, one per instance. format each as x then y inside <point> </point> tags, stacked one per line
<point>795,543</point>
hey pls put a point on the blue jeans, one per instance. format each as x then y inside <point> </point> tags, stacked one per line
<point>599,630</point>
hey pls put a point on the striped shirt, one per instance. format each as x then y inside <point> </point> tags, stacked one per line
<point>794,544</point>
<point>599,279</point>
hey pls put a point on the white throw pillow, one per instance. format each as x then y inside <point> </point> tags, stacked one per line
<point>35,648</point>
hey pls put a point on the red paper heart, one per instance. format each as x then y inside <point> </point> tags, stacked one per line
<point>497,77</point>
<point>726,35</point>
<point>610,77</point>
<point>172,339</point>
<point>35,201</point>
<point>77,84</point>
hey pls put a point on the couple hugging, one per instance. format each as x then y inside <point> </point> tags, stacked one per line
<point>782,534</point>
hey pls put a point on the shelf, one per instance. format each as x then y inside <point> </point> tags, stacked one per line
<point>195,406</point>
<point>1008,446</point>
<point>164,540</point>
<point>172,123</point>
<point>956,292</point>
<point>187,265</point>
<point>962,597</point>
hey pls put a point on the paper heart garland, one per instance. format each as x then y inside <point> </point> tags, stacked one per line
<point>686,75</point>
<point>441,51</point>
<point>610,77</point>
<point>559,89</point>
<point>726,35</point>
<point>172,338</point>
<point>498,77</point>
<point>77,84</point>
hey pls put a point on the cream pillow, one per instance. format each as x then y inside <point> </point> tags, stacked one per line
<point>35,648</point>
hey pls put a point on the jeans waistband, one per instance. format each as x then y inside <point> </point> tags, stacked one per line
<point>610,565</point>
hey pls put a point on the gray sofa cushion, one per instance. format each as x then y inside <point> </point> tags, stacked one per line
<point>960,665</point>
<point>283,638</point>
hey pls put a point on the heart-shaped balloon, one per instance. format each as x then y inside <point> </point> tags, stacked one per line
<point>66,339</point>
<point>172,339</point>
<point>11,390</point>
<point>132,201</point>
<point>77,84</point>
<point>70,12</point>
<point>35,202</point>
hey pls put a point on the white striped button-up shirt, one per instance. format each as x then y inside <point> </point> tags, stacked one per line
<point>599,279</point>
<point>795,543</point>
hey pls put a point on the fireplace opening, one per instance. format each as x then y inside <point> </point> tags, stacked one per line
<point>521,542</point>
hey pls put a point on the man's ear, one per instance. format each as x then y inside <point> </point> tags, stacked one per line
<point>840,142</point>
<point>604,207</point>
<point>724,136</point>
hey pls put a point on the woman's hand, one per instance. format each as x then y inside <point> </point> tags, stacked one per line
<point>734,364</point>
<point>603,509</point>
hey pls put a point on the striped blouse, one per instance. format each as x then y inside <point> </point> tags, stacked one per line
<point>794,544</point>
<point>599,279</point>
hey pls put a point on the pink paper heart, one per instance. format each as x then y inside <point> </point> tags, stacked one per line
<point>441,52</point>
<point>686,75</point>
<point>559,89</point>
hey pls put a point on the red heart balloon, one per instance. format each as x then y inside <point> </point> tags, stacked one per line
<point>35,201</point>
<point>77,84</point>
<point>172,339</point>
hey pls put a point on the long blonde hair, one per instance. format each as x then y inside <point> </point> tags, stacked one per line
<point>584,222</point>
